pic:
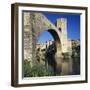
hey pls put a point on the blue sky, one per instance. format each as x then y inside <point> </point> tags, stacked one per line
<point>73,26</point>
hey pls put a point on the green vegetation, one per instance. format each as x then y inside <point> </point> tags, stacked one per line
<point>27,68</point>
<point>36,70</point>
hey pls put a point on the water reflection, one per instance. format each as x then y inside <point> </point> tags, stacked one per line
<point>50,58</point>
<point>58,64</point>
<point>71,66</point>
<point>76,66</point>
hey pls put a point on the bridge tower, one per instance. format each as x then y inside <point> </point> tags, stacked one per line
<point>61,24</point>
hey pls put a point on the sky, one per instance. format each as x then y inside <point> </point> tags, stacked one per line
<point>73,26</point>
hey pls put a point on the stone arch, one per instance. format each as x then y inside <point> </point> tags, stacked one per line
<point>56,37</point>
<point>57,40</point>
<point>34,24</point>
<point>55,61</point>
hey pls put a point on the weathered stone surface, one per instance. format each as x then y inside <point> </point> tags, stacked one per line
<point>62,26</point>
<point>34,24</point>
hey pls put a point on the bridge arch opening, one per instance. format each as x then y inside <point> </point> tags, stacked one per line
<point>49,50</point>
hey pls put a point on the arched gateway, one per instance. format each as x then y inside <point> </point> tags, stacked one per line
<point>34,24</point>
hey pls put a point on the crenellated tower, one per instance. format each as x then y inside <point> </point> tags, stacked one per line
<point>62,27</point>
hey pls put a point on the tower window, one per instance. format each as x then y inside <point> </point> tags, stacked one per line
<point>59,29</point>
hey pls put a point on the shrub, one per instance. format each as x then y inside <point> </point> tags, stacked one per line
<point>27,68</point>
<point>35,70</point>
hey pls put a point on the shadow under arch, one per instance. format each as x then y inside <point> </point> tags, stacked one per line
<point>54,34</point>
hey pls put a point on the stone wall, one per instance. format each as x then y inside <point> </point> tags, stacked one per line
<point>27,37</point>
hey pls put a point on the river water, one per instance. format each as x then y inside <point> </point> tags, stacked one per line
<point>70,66</point>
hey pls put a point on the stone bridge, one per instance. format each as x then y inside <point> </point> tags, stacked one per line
<point>36,23</point>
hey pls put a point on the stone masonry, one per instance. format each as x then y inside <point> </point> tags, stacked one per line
<point>34,24</point>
